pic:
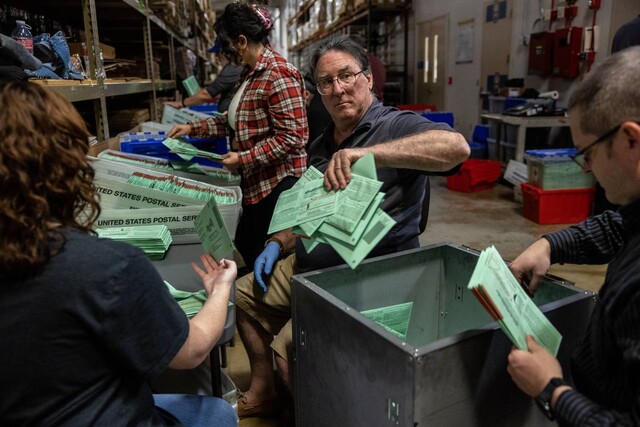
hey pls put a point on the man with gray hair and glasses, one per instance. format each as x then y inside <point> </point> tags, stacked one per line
<point>605,388</point>
<point>406,148</point>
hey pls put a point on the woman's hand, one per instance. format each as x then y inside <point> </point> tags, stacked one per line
<point>179,130</point>
<point>215,274</point>
<point>231,161</point>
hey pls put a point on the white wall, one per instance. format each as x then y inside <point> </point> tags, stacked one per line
<point>462,96</point>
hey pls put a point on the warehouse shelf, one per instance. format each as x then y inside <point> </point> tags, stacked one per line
<point>366,15</point>
<point>87,90</point>
<point>132,27</point>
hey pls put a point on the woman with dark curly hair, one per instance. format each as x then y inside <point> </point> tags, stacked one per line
<point>85,322</point>
<point>268,116</point>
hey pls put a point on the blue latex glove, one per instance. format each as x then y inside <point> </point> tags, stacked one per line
<point>265,262</point>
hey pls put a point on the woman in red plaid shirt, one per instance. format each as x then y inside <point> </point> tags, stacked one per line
<point>268,117</point>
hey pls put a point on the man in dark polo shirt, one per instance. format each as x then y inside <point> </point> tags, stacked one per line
<point>406,148</point>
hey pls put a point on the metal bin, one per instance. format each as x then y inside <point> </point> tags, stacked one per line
<point>451,368</point>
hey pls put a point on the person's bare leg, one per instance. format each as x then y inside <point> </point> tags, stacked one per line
<point>256,341</point>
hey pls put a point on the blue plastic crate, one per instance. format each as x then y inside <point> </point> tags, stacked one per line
<point>559,154</point>
<point>478,150</point>
<point>150,144</point>
<point>440,117</point>
<point>205,108</point>
<point>480,133</point>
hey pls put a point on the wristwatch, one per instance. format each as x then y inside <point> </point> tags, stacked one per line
<point>543,400</point>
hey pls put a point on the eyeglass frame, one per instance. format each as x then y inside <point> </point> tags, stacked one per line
<point>582,154</point>
<point>332,79</point>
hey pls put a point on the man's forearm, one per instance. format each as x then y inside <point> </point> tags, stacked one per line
<point>433,151</point>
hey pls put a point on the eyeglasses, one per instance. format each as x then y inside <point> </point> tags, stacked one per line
<point>582,157</point>
<point>345,79</point>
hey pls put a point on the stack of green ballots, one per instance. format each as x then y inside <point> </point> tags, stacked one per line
<point>187,151</point>
<point>503,298</point>
<point>350,220</point>
<point>190,302</point>
<point>171,184</point>
<point>154,240</point>
<point>394,318</point>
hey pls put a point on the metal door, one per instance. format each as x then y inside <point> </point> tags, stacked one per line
<point>432,44</point>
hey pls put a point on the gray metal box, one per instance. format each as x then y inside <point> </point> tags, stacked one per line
<point>451,368</point>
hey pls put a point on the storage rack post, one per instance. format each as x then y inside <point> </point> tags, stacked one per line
<point>148,56</point>
<point>93,45</point>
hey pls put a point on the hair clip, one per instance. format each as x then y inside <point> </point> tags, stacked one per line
<point>264,15</point>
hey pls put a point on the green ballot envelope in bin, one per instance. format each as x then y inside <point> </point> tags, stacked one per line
<point>401,341</point>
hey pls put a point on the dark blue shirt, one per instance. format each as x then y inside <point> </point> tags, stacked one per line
<point>606,364</point>
<point>404,188</point>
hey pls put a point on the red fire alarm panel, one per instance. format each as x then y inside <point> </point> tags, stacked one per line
<point>566,50</point>
<point>541,53</point>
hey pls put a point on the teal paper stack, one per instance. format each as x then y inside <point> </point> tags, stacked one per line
<point>154,240</point>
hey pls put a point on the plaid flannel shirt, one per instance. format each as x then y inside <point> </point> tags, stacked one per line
<point>271,126</point>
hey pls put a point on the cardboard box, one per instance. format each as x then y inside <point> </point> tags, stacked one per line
<point>108,52</point>
<point>96,148</point>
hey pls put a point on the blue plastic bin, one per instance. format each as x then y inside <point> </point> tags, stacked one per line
<point>480,133</point>
<point>150,144</point>
<point>478,150</point>
<point>440,117</point>
<point>205,108</point>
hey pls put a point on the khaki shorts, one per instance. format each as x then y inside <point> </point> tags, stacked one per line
<point>272,309</point>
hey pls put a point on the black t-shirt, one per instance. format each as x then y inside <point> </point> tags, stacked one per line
<point>81,339</point>
<point>404,188</point>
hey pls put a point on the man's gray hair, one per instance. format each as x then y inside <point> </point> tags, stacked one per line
<point>342,44</point>
<point>610,94</point>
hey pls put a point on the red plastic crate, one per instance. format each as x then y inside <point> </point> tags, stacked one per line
<point>475,175</point>
<point>556,206</point>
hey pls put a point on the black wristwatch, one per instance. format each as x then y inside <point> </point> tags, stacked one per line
<point>543,400</point>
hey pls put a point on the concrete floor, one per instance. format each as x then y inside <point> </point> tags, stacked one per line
<point>476,220</point>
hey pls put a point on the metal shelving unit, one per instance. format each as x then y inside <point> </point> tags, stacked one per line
<point>366,15</point>
<point>129,23</point>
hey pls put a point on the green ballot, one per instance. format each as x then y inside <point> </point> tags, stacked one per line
<point>191,85</point>
<point>187,151</point>
<point>353,255</point>
<point>212,232</point>
<point>302,203</point>
<point>190,302</point>
<point>394,318</point>
<point>503,298</point>
<point>365,167</point>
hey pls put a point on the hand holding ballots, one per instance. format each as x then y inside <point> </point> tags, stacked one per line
<point>188,151</point>
<point>350,220</point>
<point>503,298</point>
